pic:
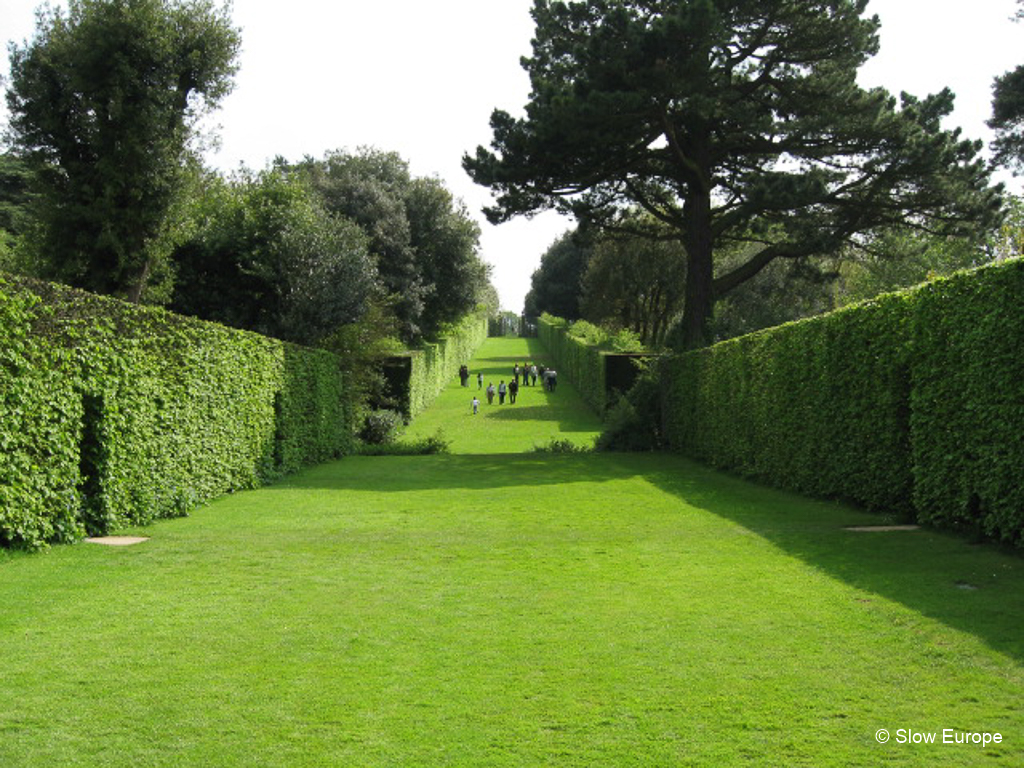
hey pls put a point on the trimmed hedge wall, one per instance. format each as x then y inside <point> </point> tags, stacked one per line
<point>579,362</point>
<point>437,363</point>
<point>912,403</point>
<point>113,414</point>
<point>967,405</point>
<point>600,365</point>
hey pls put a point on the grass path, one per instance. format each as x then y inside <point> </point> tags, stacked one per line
<point>511,609</point>
<point>537,417</point>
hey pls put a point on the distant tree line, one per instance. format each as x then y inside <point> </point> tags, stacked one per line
<point>726,170</point>
<point>634,283</point>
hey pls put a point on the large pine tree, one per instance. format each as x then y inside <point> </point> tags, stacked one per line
<point>733,122</point>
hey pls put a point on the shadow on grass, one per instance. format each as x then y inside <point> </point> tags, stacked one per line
<point>977,589</point>
<point>401,474</point>
<point>517,412</point>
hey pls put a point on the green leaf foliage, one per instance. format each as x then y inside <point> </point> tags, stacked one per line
<point>580,349</point>
<point>267,257</point>
<point>113,414</point>
<point>817,406</point>
<point>578,358</point>
<point>733,124</point>
<point>908,404</point>
<point>967,416</point>
<point>435,364</point>
<point>556,286</point>
<point>424,243</point>
<point>105,102</point>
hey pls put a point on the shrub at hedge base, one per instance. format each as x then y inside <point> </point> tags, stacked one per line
<point>113,414</point>
<point>911,404</point>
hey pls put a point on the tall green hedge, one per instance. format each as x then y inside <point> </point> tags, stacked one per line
<point>967,405</point>
<point>435,364</point>
<point>912,403</point>
<point>576,360</point>
<point>113,414</point>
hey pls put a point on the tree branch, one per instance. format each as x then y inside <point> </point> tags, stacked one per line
<point>722,285</point>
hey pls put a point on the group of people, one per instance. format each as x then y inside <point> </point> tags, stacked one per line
<point>528,372</point>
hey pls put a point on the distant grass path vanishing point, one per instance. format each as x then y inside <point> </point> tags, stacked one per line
<point>537,417</point>
<point>499,607</point>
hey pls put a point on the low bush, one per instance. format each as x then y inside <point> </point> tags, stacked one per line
<point>382,427</point>
<point>427,446</point>
<point>633,423</point>
<point>556,445</point>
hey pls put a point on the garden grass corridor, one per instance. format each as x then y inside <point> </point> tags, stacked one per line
<point>501,607</point>
<point>537,417</point>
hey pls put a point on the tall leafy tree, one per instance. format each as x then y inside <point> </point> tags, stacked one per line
<point>265,255</point>
<point>446,240</point>
<point>556,286</point>
<point>732,122</point>
<point>785,290</point>
<point>635,283</point>
<point>423,239</point>
<point>15,195</point>
<point>15,198</point>
<point>104,101</point>
<point>919,258</point>
<point>368,187</point>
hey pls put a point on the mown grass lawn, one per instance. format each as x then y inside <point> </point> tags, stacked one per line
<point>511,610</point>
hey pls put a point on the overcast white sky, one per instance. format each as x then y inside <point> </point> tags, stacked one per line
<point>421,78</point>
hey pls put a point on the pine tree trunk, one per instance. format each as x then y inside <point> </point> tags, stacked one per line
<point>699,298</point>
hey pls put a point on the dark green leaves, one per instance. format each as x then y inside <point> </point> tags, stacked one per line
<point>104,100</point>
<point>720,118</point>
<point>909,404</point>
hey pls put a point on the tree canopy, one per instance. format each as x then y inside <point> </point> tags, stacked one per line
<point>556,286</point>
<point>1008,114</point>
<point>104,102</point>
<point>265,255</point>
<point>635,283</point>
<point>733,123</point>
<point>423,239</point>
